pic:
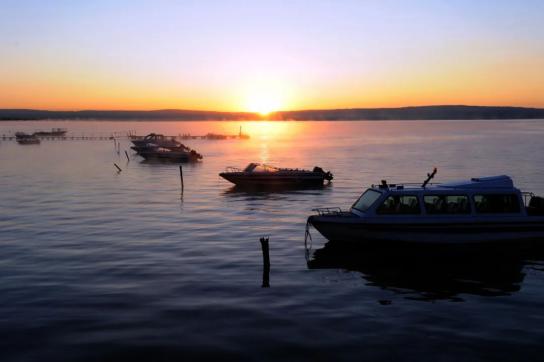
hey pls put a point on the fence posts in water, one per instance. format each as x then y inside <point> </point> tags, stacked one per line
<point>126,154</point>
<point>118,168</point>
<point>266,262</point>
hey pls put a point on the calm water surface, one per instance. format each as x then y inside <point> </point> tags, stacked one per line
<point>101,265</point>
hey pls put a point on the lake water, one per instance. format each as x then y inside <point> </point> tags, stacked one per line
<point>97,264</point>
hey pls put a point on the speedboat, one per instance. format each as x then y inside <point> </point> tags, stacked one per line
<point>478,211</point>
<point>156,139</point>
<point>26,139</point>
<point>258,174</point>
<point>174,154</point>
<point>55,132</point>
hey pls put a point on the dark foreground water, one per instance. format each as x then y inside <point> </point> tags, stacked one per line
<point>101,265</point>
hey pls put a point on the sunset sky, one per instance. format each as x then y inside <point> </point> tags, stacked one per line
<point>263,56</point>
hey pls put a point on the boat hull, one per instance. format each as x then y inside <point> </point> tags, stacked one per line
<point>480,232</point>
<point>256,180</point>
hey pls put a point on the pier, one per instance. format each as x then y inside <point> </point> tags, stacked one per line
<point>127,135</point>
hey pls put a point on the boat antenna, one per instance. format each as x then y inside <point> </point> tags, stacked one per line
<point>429,177</point>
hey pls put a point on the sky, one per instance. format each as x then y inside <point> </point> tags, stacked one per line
<point>269,55</point>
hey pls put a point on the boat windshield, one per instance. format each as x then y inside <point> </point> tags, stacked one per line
<point>257,167</point>
<point>367,199</point>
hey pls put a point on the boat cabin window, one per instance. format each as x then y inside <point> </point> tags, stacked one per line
<point>255,167</point>
<point>367,199</point>
<point>400,205</point>
<point>446,204</point>
<point>496,203</point>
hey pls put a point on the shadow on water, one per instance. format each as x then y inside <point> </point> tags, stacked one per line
<point>432,275</point>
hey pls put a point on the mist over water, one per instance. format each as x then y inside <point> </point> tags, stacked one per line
<point>101,265</point>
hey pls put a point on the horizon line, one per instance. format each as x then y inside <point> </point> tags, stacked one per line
<point>272,112</point>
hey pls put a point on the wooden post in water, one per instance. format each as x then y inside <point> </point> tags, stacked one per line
<point>266,262</point>
<point>126,154</point>
<point>181,177</point>
<point>118,168</point>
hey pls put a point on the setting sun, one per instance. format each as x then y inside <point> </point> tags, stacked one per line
<point>264,100</point>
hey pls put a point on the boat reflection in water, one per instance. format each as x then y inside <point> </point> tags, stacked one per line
<point>276,190</point>
<point>432,275</point>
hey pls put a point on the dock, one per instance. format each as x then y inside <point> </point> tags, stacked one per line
<point>127,135</point>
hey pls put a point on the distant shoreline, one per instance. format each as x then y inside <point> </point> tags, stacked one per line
<point>437,113</point>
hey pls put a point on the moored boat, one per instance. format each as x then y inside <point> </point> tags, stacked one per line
<point>55,132</point>
<point>174,154</point>
<point>478,211</point>
<point>156,139</point>
<point>26,139</point>
<point>257,174</point>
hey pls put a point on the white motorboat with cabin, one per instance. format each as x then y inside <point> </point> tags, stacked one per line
<point>155,139</point>
<point>478,211</point>
<point>261,175</point>
<point>181,153</point>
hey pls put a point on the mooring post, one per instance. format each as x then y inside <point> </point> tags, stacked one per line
<point>266,262</point>
<point>118,168</point>
<point>126,154</point>
<point>181,177</point>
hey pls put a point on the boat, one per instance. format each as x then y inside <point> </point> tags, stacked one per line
<point>478,211</point>
<point>214,136</point>
<point>258,174</point>
<point>55,132</point>
<point>155,139</point>
<point>174,154</point>
<point>26,139</point>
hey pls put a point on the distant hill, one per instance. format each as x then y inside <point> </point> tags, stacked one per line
<point>403,113</point>
<point>165,114</point>
<point>418,113</point>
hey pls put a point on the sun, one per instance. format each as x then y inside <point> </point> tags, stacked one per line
<point>264,101</point>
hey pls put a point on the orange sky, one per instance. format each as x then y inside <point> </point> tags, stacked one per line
<point>357,54</point>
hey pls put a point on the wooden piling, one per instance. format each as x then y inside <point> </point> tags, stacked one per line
<point>118,168</point>
<point>126,154</point>
<point>181,177</point>
<point>266,262</point>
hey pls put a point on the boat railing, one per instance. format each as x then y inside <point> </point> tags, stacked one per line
<point>233,169</point>
<point>402,184</point>
<point>321,211</point>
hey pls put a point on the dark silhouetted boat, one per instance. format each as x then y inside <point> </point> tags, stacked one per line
<point>479,211</point>
<point>156,139</point>
<point>26,139</point>
<point>257,174</point>
<point>55,132</point>
<point>173,154</point>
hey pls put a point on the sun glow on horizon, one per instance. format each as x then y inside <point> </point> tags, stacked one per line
<point>265,99</point>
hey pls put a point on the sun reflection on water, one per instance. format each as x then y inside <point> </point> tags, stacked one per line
<point>267,134</point>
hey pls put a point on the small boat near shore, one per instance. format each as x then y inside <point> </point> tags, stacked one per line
<point>257,174</point>
<point>180,153</point>
<point>26,139</point>
<point>156,139</point>
<point>480,211</point>
<point>55,132</point>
